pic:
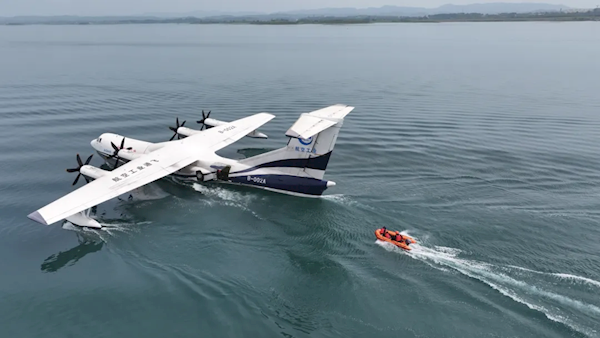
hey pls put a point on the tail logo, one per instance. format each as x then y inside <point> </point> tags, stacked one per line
<point>305,142</point>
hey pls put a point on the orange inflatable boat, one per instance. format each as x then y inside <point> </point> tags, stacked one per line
<point>402,245</point>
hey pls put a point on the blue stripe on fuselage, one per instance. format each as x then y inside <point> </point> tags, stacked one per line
<point>302,185</point>
<point>318,163</point>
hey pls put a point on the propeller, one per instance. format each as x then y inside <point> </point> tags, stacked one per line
<point>81,164</point>
<point>174,129</point>
<point>115,154</point>
<point>204,117</point>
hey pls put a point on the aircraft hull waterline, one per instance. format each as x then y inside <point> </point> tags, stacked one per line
<point>286,184</point>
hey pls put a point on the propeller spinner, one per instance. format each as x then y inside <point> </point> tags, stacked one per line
<point>81,164</point>
<point>115,154</point>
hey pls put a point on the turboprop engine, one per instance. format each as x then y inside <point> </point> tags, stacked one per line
<point>88,171</point>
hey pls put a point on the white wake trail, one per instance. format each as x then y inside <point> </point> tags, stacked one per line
<point>553,305</point>
<point>579,279</point>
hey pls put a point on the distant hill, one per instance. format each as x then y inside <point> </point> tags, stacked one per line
<point>200,14</point>
<point>499,7</point>
<point>347,12</point>
<point>483,8</point>
<point>350,11</point>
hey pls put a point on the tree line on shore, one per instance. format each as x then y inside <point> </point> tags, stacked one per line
<point>591,15</point>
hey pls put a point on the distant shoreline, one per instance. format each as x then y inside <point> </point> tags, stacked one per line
<point>591,15</point>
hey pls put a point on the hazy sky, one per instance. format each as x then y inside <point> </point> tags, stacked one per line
<point>128,7</point>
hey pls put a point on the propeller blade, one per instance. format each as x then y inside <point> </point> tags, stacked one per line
<point>122,143</point>
<point>76,179</point>
<point>174,129</point>
<point>116,162</point>
<point>78,169</point>
<point>114,147</point>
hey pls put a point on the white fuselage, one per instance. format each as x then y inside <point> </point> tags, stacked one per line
<point>275,179</point>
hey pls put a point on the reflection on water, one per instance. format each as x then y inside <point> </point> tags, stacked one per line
<point>71,256</point>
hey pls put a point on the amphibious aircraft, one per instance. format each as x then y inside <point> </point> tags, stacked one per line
<point>296,169</point>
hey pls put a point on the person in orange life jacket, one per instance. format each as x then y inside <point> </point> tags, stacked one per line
<point>398,237</point>
<point>384,233</point>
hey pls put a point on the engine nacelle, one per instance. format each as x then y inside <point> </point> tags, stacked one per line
<point>92,172</point>
<point>185,131</point>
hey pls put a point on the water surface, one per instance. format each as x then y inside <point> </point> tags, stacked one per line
<point>480,140</point>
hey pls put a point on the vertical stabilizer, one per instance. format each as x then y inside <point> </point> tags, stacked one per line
<point>312,139</point>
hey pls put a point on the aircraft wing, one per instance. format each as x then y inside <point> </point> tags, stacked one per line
<point>223,135</point>
<point>148,168</point>
<point>133,174</point>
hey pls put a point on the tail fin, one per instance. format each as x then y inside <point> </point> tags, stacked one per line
<point>312,138</point>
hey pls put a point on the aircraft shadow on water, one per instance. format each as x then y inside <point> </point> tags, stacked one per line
<point>59,260</point>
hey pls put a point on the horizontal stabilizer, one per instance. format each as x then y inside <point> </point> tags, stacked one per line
<point>337,111</point>
<point>315,122</point>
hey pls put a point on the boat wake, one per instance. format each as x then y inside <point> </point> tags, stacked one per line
<point>539,291</point>
<point>227,197</point>
<point>345,201</point>
<point>108,229</point>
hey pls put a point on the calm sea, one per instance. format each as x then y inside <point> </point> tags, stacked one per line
<point>480,140</point>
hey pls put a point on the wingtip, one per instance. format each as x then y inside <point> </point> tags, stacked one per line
<point>37,217</point>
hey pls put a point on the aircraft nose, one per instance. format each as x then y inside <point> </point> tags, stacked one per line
<point>94,143</point>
